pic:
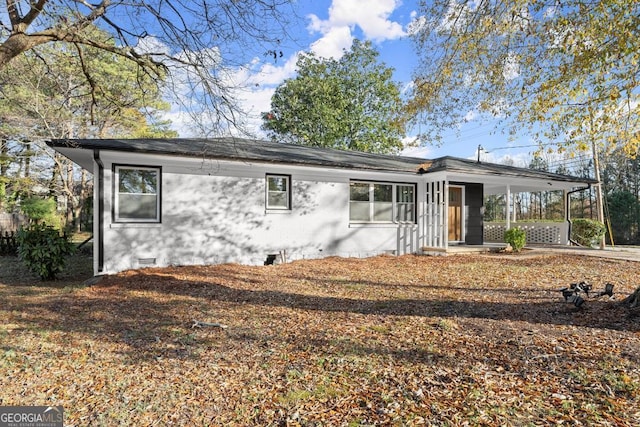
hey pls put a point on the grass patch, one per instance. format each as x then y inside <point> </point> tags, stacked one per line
<point>79,268</point>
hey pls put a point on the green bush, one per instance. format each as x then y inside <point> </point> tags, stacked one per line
<point>516,237</point>
<point>587,232</point>
<point>41,211</point>
<point>43,250</point>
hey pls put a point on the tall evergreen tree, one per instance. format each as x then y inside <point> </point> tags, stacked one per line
<point>45,93</point>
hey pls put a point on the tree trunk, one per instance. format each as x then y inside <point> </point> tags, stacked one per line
<point>633,300</point>
<point>83,193</point>
<point>4,162</point>
<point>69,195</point>
<point>18,43</point>
<point>27,159</point>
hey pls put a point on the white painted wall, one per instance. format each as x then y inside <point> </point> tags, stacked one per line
<point>214,212</point>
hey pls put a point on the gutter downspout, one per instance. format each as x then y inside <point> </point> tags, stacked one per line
<point>567,211</point>
<point>100,226</point>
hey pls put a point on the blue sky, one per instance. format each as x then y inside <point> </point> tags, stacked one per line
<point>327,27</point>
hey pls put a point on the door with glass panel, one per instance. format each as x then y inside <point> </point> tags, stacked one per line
<point>455,214</point>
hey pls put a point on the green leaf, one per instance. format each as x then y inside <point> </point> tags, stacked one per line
<point>350,103</point>
<point>43,250</point>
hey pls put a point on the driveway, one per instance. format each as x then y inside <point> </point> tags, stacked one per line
<point>629,253</point>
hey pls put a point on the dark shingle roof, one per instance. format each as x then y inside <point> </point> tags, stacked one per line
<point>270,152</point>
<point>250,150</point>
<point>455,164</point>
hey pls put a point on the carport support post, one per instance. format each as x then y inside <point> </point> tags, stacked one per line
<point>445,217</point>
<point>508,207</point>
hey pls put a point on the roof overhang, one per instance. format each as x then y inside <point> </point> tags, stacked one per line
<point>515,184</point>
<point>81,156</point>
<point>244,150</point>
<point>498,179</point>
<point>495,178</point>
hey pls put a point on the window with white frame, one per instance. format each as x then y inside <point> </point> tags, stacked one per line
<point>381,202</point>
<point>278,190</point>
<point>405,203</point>
<point>137,194</point>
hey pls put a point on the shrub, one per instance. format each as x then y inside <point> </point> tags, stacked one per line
<point>516,237</point>
<point>43,250</point>
<point>587,232</point>
<point>41,211</point>
<point>8,243</point>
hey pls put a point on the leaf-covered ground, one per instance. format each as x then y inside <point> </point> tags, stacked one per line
<point>458,340</point>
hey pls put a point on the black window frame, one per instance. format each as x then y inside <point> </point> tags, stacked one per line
<point>115,208</point>
<point>288,191</point>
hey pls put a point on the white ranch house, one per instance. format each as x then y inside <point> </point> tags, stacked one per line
<point>160,202</point>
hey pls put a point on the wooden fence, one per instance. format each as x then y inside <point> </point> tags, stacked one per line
<point>8,243</point>
<point>11,221</point>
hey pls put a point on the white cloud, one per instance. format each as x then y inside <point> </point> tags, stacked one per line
<point>511,67</point>
<point>256,82</point>
<point>417,24</point>
<point>336,36</point>
<point>333,44</point>
<point>550,12</point>
<point>518,159</point>
<point>371,16</point>
<point>419,152</point>
<point>253,103</point>
<point>470,116</point>
<point>181,122</point>
<point>251,88</point>
<point>456,17</point>
<point>267,73</point>
<point>411,149</point>
<point>408,87</point>
<point>153,45</point>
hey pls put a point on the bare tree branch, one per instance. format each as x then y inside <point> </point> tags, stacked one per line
<point>36,9</point>
<point>193,42</point>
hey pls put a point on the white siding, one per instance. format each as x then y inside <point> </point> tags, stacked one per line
<point>214,212</point>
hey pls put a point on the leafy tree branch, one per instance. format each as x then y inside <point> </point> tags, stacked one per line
<point>564,72</point>
<point>351,103</point>
<point>193,44</point>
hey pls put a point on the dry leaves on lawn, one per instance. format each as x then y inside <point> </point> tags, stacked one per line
<point>459,340</point>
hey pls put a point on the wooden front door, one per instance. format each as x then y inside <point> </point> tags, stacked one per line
<point>455,214</point>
